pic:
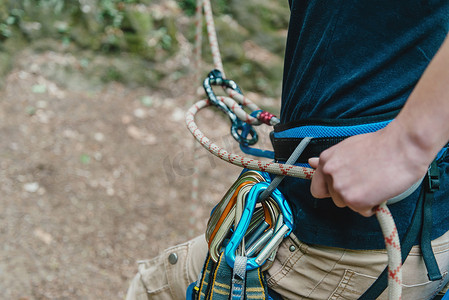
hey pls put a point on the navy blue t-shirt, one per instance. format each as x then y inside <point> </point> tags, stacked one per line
<point>352,59</point>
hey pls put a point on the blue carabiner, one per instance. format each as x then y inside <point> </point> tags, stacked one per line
<point>245,219</point>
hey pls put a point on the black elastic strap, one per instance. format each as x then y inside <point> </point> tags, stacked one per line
<point>284,147</point>
<point>433,271</point>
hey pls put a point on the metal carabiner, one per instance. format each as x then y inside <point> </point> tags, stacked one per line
<point>223,216</point>
<point>225,227</point>
<point>230,196</point>
<point>240,230</point>
<point>256,241</point>
<point>215,77</point>
<point>220,213</point>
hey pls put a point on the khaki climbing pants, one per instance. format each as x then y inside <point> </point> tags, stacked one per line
<point>300,271</point>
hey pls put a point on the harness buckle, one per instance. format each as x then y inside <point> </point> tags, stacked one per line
<point>433,178</point>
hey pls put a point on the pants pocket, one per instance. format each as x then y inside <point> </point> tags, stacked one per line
<point>168,275</point>
<point>153,277</point>
<point>143,285</point>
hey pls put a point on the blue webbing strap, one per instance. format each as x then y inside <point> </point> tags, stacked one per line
<point>220,281</point>
<point>319,131</point>
<point>216,283</point>
<point>246,129</point>
<point>205,280</point>
<point>256,286</point>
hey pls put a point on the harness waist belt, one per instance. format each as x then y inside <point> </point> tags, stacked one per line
<point>283,147</point>
<point>286,137</point>
<point>325,134</point>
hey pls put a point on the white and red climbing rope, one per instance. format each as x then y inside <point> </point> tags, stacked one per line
<point>236,159</point>
<point>393,246</point>
<point>235,102</point>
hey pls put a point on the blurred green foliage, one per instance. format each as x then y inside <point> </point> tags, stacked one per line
<point>147,33</point>
<point>220,7</point>
<point>106,25</point>
<point>188,6</point>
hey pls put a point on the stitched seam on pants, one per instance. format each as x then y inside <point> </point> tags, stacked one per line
<point>324,277</point>
<point>423,283</point>
<point>438,248</point>
<point>342,285</point>
<point>186,263</point>
<point>287,266</point>
<point>346,285</point>
<point>156,291</point>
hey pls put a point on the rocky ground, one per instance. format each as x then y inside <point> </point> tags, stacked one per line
<point>96,176</point>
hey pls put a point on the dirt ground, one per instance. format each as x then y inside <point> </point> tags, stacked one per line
<point>95,177</point>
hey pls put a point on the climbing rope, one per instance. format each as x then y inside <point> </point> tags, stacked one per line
<point>393,246</point>
<point>236,159</point>
<point>236,102</point>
